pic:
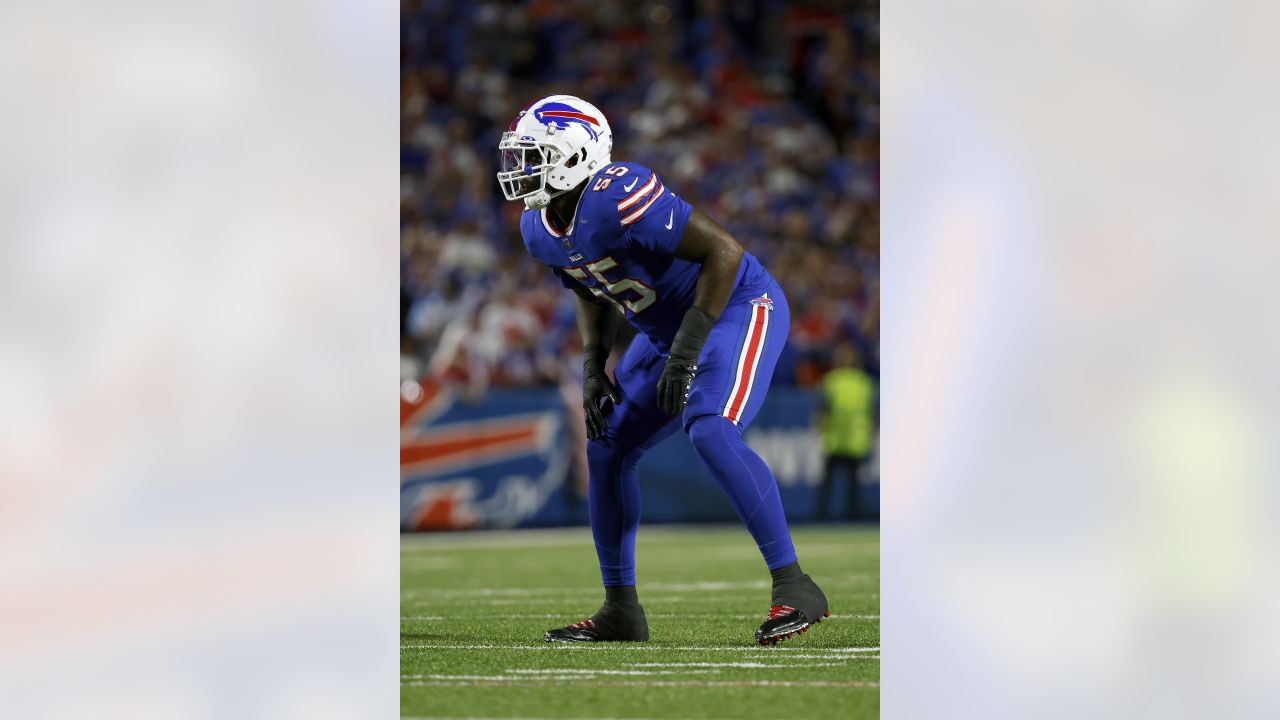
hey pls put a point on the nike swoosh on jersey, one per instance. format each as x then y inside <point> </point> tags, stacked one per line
<point>627,188</point>
<point>645,190</point>
<point>670,218</point>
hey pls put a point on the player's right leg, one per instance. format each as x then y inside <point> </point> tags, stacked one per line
<point>632,427</point>
<point>734,373</point>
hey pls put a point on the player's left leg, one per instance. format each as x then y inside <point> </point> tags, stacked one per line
<point>631,428</point>
<point>734,372</point>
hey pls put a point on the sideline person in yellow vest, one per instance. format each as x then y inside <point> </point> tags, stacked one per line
<point>846,418</point>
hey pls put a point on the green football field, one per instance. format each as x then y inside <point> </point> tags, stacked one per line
<point>474,606</point>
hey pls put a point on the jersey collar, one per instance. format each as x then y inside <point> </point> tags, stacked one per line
<point>546,223</point>
<point>546,220</point>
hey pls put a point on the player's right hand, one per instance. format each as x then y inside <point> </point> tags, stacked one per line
<point>596,390</point>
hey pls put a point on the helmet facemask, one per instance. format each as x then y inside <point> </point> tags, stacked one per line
<point>536,171</point>
<point>524,170</point>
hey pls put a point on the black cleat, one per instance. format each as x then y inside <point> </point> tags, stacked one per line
<point>782,622</point>
<point>584,631</point>
<point>612,623</point>
<point>798,602</point>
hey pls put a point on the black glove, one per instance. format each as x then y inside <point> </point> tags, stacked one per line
<point>596,386</point>
<point>682,363</point>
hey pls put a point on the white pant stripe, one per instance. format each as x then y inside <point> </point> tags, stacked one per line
<point>745,375</point>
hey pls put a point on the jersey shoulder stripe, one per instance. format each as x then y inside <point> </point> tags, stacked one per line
<point>625,191</point>
<point>639,194</point>
<point>639,212</point>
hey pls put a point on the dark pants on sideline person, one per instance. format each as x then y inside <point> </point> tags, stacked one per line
<point>848,466</point>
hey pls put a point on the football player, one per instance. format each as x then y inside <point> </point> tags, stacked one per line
<point>711,322</point>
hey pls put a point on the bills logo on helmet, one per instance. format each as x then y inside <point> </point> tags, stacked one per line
<point>561,115</point>
<point>763,301</point>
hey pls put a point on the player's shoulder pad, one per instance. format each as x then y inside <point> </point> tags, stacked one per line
<point>624,191</point>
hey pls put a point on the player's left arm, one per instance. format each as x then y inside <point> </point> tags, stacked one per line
<point>711,246</point>
<point>719,255</point>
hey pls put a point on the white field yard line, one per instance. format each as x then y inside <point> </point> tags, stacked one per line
<point>836,656</point>
<point>588,671</point>
<point>419,682</point>
<point>593,600</point>
<point>701,586</point>
<point>512,718</point>
<point>709,599</point>
<point>717,599</point>
<point>605,647</point>
<point>534,681</point>
<point>520,674</point>
<point>783,660</point>
<point>743,664</point>
<point>594,597</point>
<point>511,674</point>
<point>549,616</point>
<point>708,586</point>
<point>705,586</point>
<point>498,592</point>
<point>520,596</point>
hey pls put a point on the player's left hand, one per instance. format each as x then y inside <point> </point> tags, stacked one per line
<point>673,386</point>
<point>682,362</point>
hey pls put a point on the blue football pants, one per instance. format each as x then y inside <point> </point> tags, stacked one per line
<point>734,372</point>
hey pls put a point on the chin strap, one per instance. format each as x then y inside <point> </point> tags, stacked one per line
<point>538,200</point>
<point>542,198</point>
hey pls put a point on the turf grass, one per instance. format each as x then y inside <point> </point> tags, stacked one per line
<point>474,606</point>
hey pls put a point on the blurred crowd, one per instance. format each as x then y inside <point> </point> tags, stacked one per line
<point>763,114</point>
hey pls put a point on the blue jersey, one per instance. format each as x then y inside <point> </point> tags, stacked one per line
<point>621,245</point>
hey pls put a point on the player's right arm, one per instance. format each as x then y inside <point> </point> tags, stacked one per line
<point>597,324</point>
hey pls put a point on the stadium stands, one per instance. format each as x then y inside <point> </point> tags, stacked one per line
<point>762,114</point>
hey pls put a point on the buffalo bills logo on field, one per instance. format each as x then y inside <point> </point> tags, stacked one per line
<point>561,115</point>
<point>763,301</point>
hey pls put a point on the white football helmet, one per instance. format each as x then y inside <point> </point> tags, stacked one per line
<point>551,147</point>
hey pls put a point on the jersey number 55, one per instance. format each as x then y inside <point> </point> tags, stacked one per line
<point>644,295</point>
